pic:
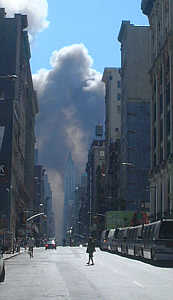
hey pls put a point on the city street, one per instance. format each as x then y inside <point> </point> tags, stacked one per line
<point>63,274</point>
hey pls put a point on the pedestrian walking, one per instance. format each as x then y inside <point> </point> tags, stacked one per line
<point>31,244</point>
<point>90,250</point>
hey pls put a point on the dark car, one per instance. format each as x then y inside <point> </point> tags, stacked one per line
<point>50,245</point>
<point>2,268</point>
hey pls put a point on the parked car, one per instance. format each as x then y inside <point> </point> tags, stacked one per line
<point>50,245</point>
<point>2,268</point>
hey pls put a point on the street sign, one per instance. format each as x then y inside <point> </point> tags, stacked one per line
<point>3,173</point>
<point>118,218</point>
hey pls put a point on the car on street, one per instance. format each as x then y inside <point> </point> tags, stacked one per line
<point>2,268</point>
<point>50,244</point>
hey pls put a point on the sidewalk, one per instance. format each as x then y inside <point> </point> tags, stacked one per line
<point>11,255</point>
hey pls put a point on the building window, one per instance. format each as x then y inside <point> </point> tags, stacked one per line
<point>132,131</point>
<point>133,114</point>
<point>102,154</point>
<point>118,84</point>
<point>161,130</point>
<point>168,94</point>
<point>154,85</point>
<point>2,95</point>
<point>161,104</point>
<point>110,77</point>
<point>154,111</point>
<point>2,130</point>
<point>168,123</point>
<point>154,138</point>
<point>118,97</point>
<point>168,148</point>
<point>161,154</point>
<point>154,160</point>
<point>118,108</point>
<point>161,75</point>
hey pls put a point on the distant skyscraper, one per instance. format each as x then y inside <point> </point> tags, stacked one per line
<point>99,131</point>
<point>69,188</point>
<point>135,114</point>
<point>111,78</point>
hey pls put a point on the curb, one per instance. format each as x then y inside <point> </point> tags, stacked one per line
<point>12,255</point>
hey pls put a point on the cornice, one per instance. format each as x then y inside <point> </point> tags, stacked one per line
<point>147,6</point>
<point>124,25</point>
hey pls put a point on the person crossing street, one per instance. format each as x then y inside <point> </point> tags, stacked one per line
<point>91,250</point>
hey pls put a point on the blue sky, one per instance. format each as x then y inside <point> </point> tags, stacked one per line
<point>95,23</point>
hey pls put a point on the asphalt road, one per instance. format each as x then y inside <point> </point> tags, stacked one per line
<point>63,274</point>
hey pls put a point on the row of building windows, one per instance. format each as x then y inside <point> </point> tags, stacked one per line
<point>118,82</point>
<point>161,102</point>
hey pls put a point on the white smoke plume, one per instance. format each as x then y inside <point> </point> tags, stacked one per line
<point>36,10</point>
<point>71,101</point>
<point>58,196</point>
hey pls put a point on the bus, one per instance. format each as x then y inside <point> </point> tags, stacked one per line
<point>158,240</point>
<point>153,241</point>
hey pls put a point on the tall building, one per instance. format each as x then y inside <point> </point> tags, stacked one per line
<point>160,15</point>
<point>69,193</point>
<point>45,224</point>
<point>95,169</point>
<point>135,115</point>
<point>18,107</point>
<point>39,204</point>
<point>50,220</point>
<point>111,78</point>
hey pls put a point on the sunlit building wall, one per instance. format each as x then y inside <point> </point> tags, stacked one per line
<point>112,79</point>
<point>160,15</point>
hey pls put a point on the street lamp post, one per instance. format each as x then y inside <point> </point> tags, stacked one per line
<point>35,216</point>
<point>70,235</point>
<point>12,76</point>
<point>11,225</point>
<point>128,164</point>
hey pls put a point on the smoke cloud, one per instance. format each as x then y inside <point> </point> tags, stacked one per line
<point>36,11</point>
<point>71,101</point>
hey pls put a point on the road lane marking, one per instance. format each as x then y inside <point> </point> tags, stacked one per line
<point>138,284</point>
